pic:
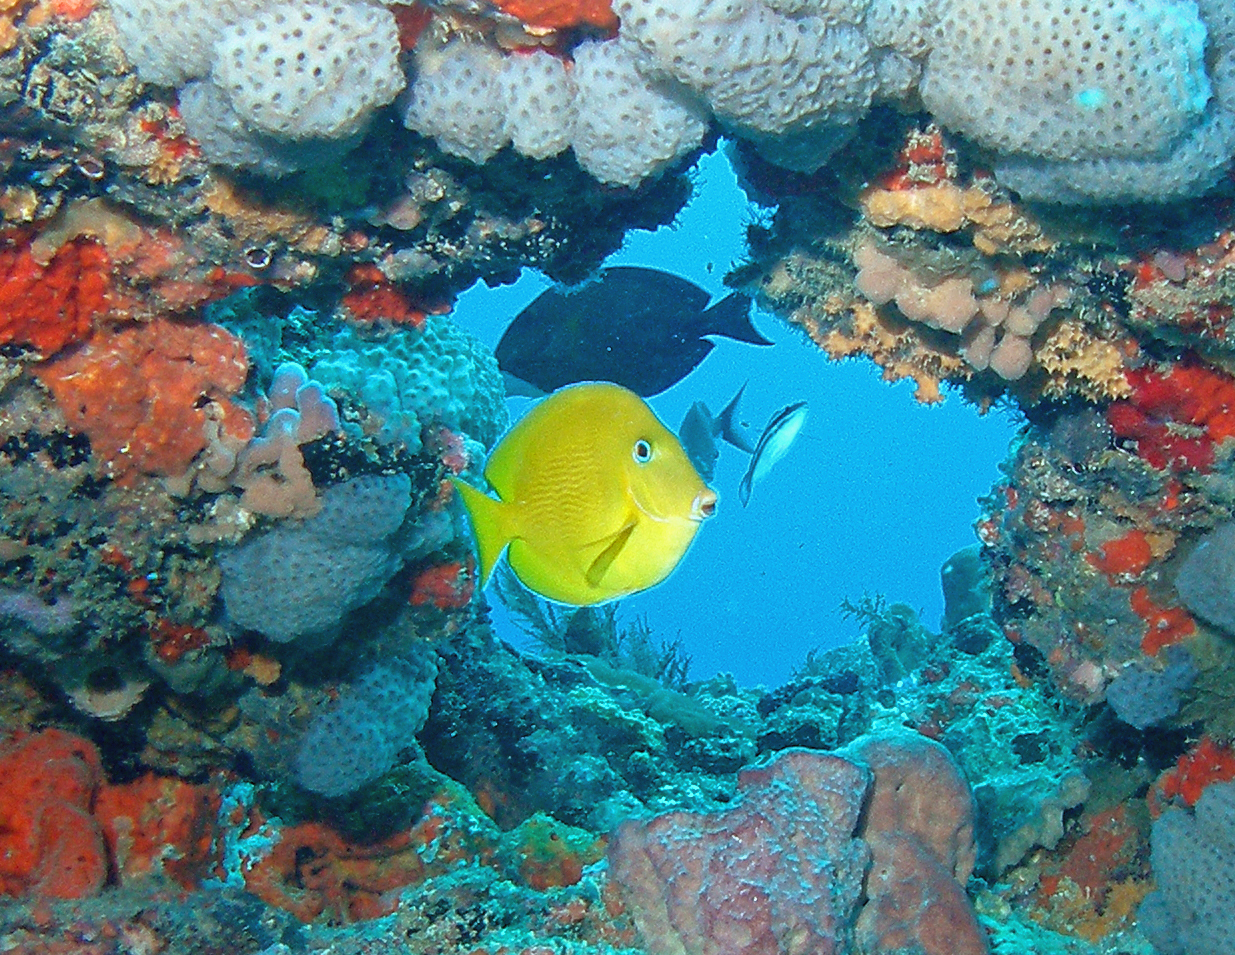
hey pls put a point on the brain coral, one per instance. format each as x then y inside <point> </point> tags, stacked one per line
<point>407,379</point>
<point>1090,101</point>
<point>629,127</point>
<point>171,41</point>
<point>794,84</point>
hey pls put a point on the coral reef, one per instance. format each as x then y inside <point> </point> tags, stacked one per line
<point>249,694</point>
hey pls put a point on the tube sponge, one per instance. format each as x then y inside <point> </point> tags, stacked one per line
<point>358,738</point>
<point>1192,911</point>
<point>300,579</point>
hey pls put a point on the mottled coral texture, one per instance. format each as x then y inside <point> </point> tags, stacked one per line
<point>143,393</point>
<point>783,864</point>
<point>919,824</point>
<point>64,831</point>
<point>784,870</point>
<point>50,845</point>
<point>1176,415</point>
<point>51,304</point>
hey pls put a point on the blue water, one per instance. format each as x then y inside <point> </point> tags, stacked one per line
<point>877,493</point>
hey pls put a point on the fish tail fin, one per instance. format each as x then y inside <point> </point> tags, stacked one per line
<point>731,317</point>
<point>725,426</point>
<point>488,526</point>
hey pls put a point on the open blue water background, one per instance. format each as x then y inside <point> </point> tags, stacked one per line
<point>875,495</point>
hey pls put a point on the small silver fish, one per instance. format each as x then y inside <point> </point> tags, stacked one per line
<point>773,444</point>
<point>700,430</point>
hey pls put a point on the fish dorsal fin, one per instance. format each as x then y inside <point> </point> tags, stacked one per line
<point>604,560</point>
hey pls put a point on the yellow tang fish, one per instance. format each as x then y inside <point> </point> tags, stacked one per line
<point>597,497</point>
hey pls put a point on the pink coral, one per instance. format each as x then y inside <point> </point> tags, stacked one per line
<point>784,870</point>
<point>919,823</point>
<point>781,871</point>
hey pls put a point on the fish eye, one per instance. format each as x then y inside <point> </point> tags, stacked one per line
<point>643,451</point>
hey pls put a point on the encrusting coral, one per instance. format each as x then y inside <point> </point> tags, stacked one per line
<point>952,285</point>
<point>68,832</point>
<point>142,393</point>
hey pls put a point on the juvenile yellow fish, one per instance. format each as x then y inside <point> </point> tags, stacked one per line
<point>597,499</point>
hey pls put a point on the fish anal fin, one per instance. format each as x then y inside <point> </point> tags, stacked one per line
<point>604,560</point>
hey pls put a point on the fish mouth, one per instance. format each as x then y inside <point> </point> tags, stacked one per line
<point>701,508</point>
<point>704,505</point>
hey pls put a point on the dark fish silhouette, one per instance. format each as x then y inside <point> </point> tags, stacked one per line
<point>773,445</point>
<point>641,328</point>
<point>700,430</point>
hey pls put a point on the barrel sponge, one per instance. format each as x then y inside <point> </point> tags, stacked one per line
<point>314,70</point>
<point>172,41</point>
<point>539,96</point>
<point>411,379</point>
<point>456,98</point>
<point>1068,79</point>
<point>629,127</point>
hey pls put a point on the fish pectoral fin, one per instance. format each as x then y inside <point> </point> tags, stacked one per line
<point>604,560</point>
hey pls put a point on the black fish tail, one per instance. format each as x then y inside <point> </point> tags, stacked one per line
<point>725,426</point>
<point>731,317</point>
